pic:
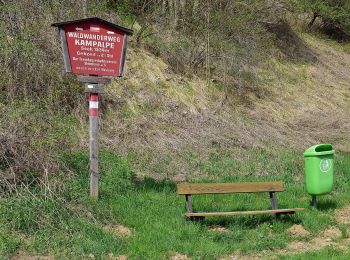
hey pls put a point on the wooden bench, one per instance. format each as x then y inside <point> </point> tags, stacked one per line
<point>223,188</point>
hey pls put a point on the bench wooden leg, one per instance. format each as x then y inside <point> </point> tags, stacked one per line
<point>189,203</point>
<point>197,219</point>
<point>273,200</point>
<point>189,208</point>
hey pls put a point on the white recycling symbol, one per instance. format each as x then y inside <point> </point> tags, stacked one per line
<point>325,165</point>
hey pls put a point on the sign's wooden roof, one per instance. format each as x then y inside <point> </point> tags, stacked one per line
<point>94,19</point>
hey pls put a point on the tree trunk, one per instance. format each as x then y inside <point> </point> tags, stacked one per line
<point>164,6</point>
<point>182,8</point>
<point>175,5</point>
<point>85,7</point>
<point>195,7</point>
<point>311,23</point>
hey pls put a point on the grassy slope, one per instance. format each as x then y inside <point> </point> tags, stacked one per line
<point>180,125</point>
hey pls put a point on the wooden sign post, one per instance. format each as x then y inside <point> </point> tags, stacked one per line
<point>95,50</point>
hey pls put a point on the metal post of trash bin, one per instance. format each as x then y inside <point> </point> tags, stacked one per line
<point>314,201</point>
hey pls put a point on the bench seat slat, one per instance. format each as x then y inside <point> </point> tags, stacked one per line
<point>235,213</point>
<point>237,187</point>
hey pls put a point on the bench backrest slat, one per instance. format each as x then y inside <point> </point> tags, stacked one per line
<point>236,187</point>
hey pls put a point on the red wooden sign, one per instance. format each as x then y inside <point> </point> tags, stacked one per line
<point>94,46</point>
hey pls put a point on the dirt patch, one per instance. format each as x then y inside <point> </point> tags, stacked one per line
<point>324,239</point>
<point>342,247</point>
<point>343,215</point>
<point>111,256</point>
<point>119,230</point>
<point>219,229</point>
<point>301,246</point>
<point>321,241</point>
<point>298,231</point>
<point>240,256</point>
<point>297,246</point>
<point>178,256</point>
<point>24,256</point>
<point>122,230</point>
<point>332,233</point>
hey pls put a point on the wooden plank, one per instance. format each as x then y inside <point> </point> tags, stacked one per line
<point>94,88</point>
<point>122,60</point>
<point>237,187</point>
<point>237,213</point>
<point>93,79</point>
<point>64,45</point>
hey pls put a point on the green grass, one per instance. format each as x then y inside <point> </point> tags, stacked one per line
<point>69,225</point>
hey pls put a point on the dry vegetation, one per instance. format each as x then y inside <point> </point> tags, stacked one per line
<point>297,104</point>
<point>43,110</point>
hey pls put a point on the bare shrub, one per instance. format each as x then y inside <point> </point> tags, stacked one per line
<point>223,41</point>
<point>31,142</point>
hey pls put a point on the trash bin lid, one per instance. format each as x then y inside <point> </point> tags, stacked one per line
<point>319,149</point>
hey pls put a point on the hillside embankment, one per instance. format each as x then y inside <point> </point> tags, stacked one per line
<point>249,83</point>
<point>297,104</point>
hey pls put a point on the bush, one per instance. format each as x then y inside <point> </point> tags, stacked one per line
<point>31,141</point>
<point>334,15</point>
<point>223,41</point>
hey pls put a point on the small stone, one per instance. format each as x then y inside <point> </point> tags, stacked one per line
<point>184,113</point>
<point>173,105</point>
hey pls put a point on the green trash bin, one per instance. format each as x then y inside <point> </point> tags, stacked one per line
<point>319,168</point>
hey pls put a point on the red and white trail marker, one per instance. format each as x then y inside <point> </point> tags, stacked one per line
<point>93,104</point>
<point>95,50</point>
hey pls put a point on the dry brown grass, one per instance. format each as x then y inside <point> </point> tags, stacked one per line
<point>309,103</point>
<point>303,103</point>
<point>331,237</point>
<point>298,104</point>
<point>153,109</point>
